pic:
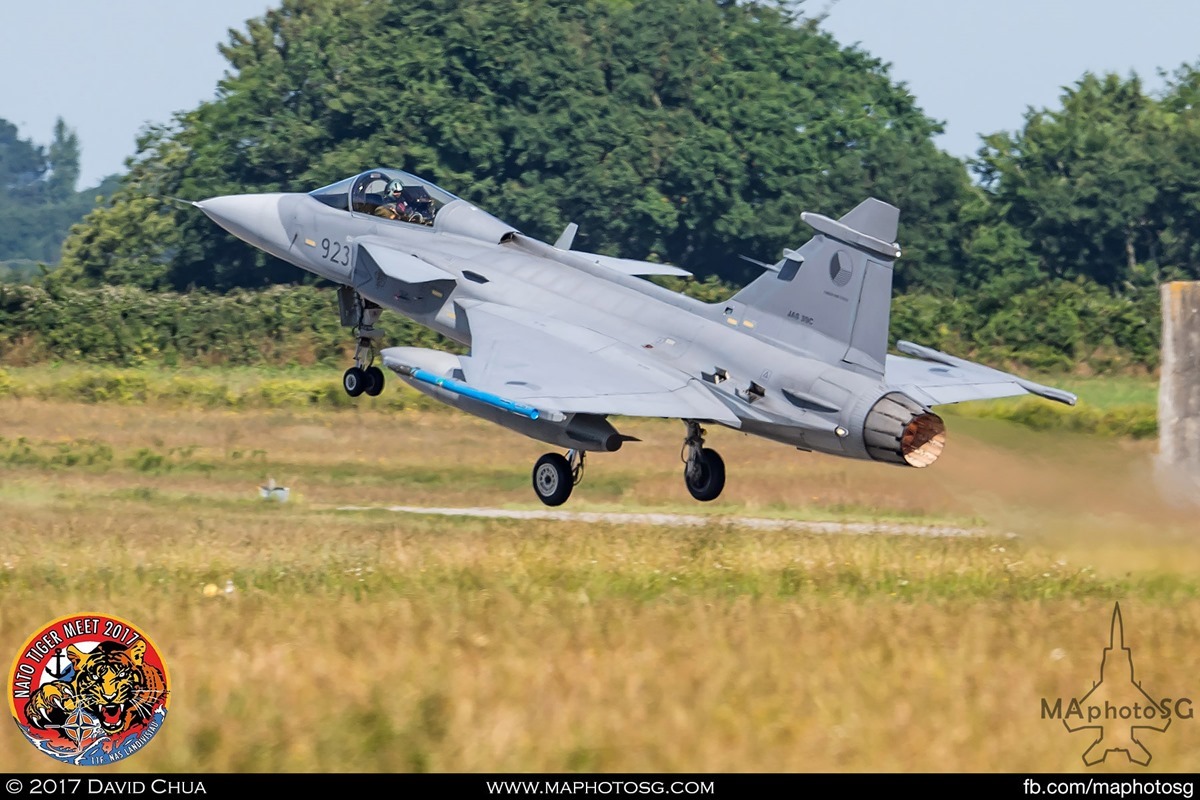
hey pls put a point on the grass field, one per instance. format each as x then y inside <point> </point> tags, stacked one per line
<point>1109,406</point>
<point>375,641</point>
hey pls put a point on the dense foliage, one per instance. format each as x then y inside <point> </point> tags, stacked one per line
<point>689,131</point>
<point>129,326</point>
<point>38,201</point>
<point>1072,324</point>
<point>686,131</point>
<point>1105,188</point>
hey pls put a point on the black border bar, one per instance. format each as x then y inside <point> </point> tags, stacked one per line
<point>105,782</point>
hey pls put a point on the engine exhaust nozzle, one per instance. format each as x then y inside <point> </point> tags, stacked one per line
<point>899,430</point>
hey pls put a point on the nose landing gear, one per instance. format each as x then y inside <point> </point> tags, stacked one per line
<point>361,315</point>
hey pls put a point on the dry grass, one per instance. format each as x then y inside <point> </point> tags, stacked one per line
<point>381,642</point>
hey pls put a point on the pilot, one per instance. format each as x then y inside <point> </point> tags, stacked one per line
<point>393,206</point>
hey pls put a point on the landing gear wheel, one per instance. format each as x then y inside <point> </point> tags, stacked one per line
<point>553,479</point>
<point>376,374</point>
<point>374,381</point>
<point>354,381</point>
<point>706,478</point>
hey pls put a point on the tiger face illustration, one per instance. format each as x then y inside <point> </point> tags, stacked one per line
<point>112,683</point>
<point>89,689</point>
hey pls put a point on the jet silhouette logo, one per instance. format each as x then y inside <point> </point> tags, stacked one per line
<point>1117,710</point>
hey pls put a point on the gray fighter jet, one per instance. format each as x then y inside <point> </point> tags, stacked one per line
<point>561,340</point>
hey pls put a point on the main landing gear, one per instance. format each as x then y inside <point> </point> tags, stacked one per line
<point>554,476</point>
<point>361,314</point>
<point>704,471</point>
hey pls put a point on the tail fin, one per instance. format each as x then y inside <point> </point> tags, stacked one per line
<point>833,296</point>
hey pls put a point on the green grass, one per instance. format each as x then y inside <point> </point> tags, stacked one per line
<point>368,643</point>
<point>1134,421</point>
<point>548,559</point>
<point>197,387</point>
<point>1108,391</point>
<point>376,641</point>
<point>1108,406</point>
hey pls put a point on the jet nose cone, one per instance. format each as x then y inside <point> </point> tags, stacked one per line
<point>254,218</point>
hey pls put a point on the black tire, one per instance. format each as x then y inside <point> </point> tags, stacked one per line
<point>711,478</point>
<point>354,381</point>
<point>374,376</point>
<point>552,479</point>
<point>368,381</point>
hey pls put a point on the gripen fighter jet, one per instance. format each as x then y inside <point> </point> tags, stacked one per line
<point>562,340</point>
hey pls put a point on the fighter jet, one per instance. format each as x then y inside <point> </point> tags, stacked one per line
<point>561,341</point>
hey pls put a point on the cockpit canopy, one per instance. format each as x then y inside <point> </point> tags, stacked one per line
<point>387,193</point>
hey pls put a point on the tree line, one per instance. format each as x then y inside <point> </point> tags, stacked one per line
<point>686,131</point>
<point>38,198</point>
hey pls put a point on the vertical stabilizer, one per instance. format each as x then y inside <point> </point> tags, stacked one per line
<point>832,297</point>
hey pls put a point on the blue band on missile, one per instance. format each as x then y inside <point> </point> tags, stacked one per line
<point>451,385</point>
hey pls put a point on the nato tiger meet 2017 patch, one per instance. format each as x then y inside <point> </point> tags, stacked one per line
<point>89,689</point>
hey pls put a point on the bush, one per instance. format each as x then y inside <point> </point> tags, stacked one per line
<point>1059,326</point>
<point>127,326</point>
<point>1136,421</point>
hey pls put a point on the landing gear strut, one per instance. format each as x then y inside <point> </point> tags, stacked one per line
<point>704,471</point>
<point>554,476</point>
<point>361,315</point>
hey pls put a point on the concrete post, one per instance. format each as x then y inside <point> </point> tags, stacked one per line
<point>1179,392</point>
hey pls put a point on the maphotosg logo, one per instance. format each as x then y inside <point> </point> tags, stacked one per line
<point>89,689</point>
<point>1117,710</point>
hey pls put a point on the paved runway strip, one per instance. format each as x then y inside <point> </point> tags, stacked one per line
<point>689,520</point>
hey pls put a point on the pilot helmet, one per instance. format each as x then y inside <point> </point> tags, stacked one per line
<point>395,188</point>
